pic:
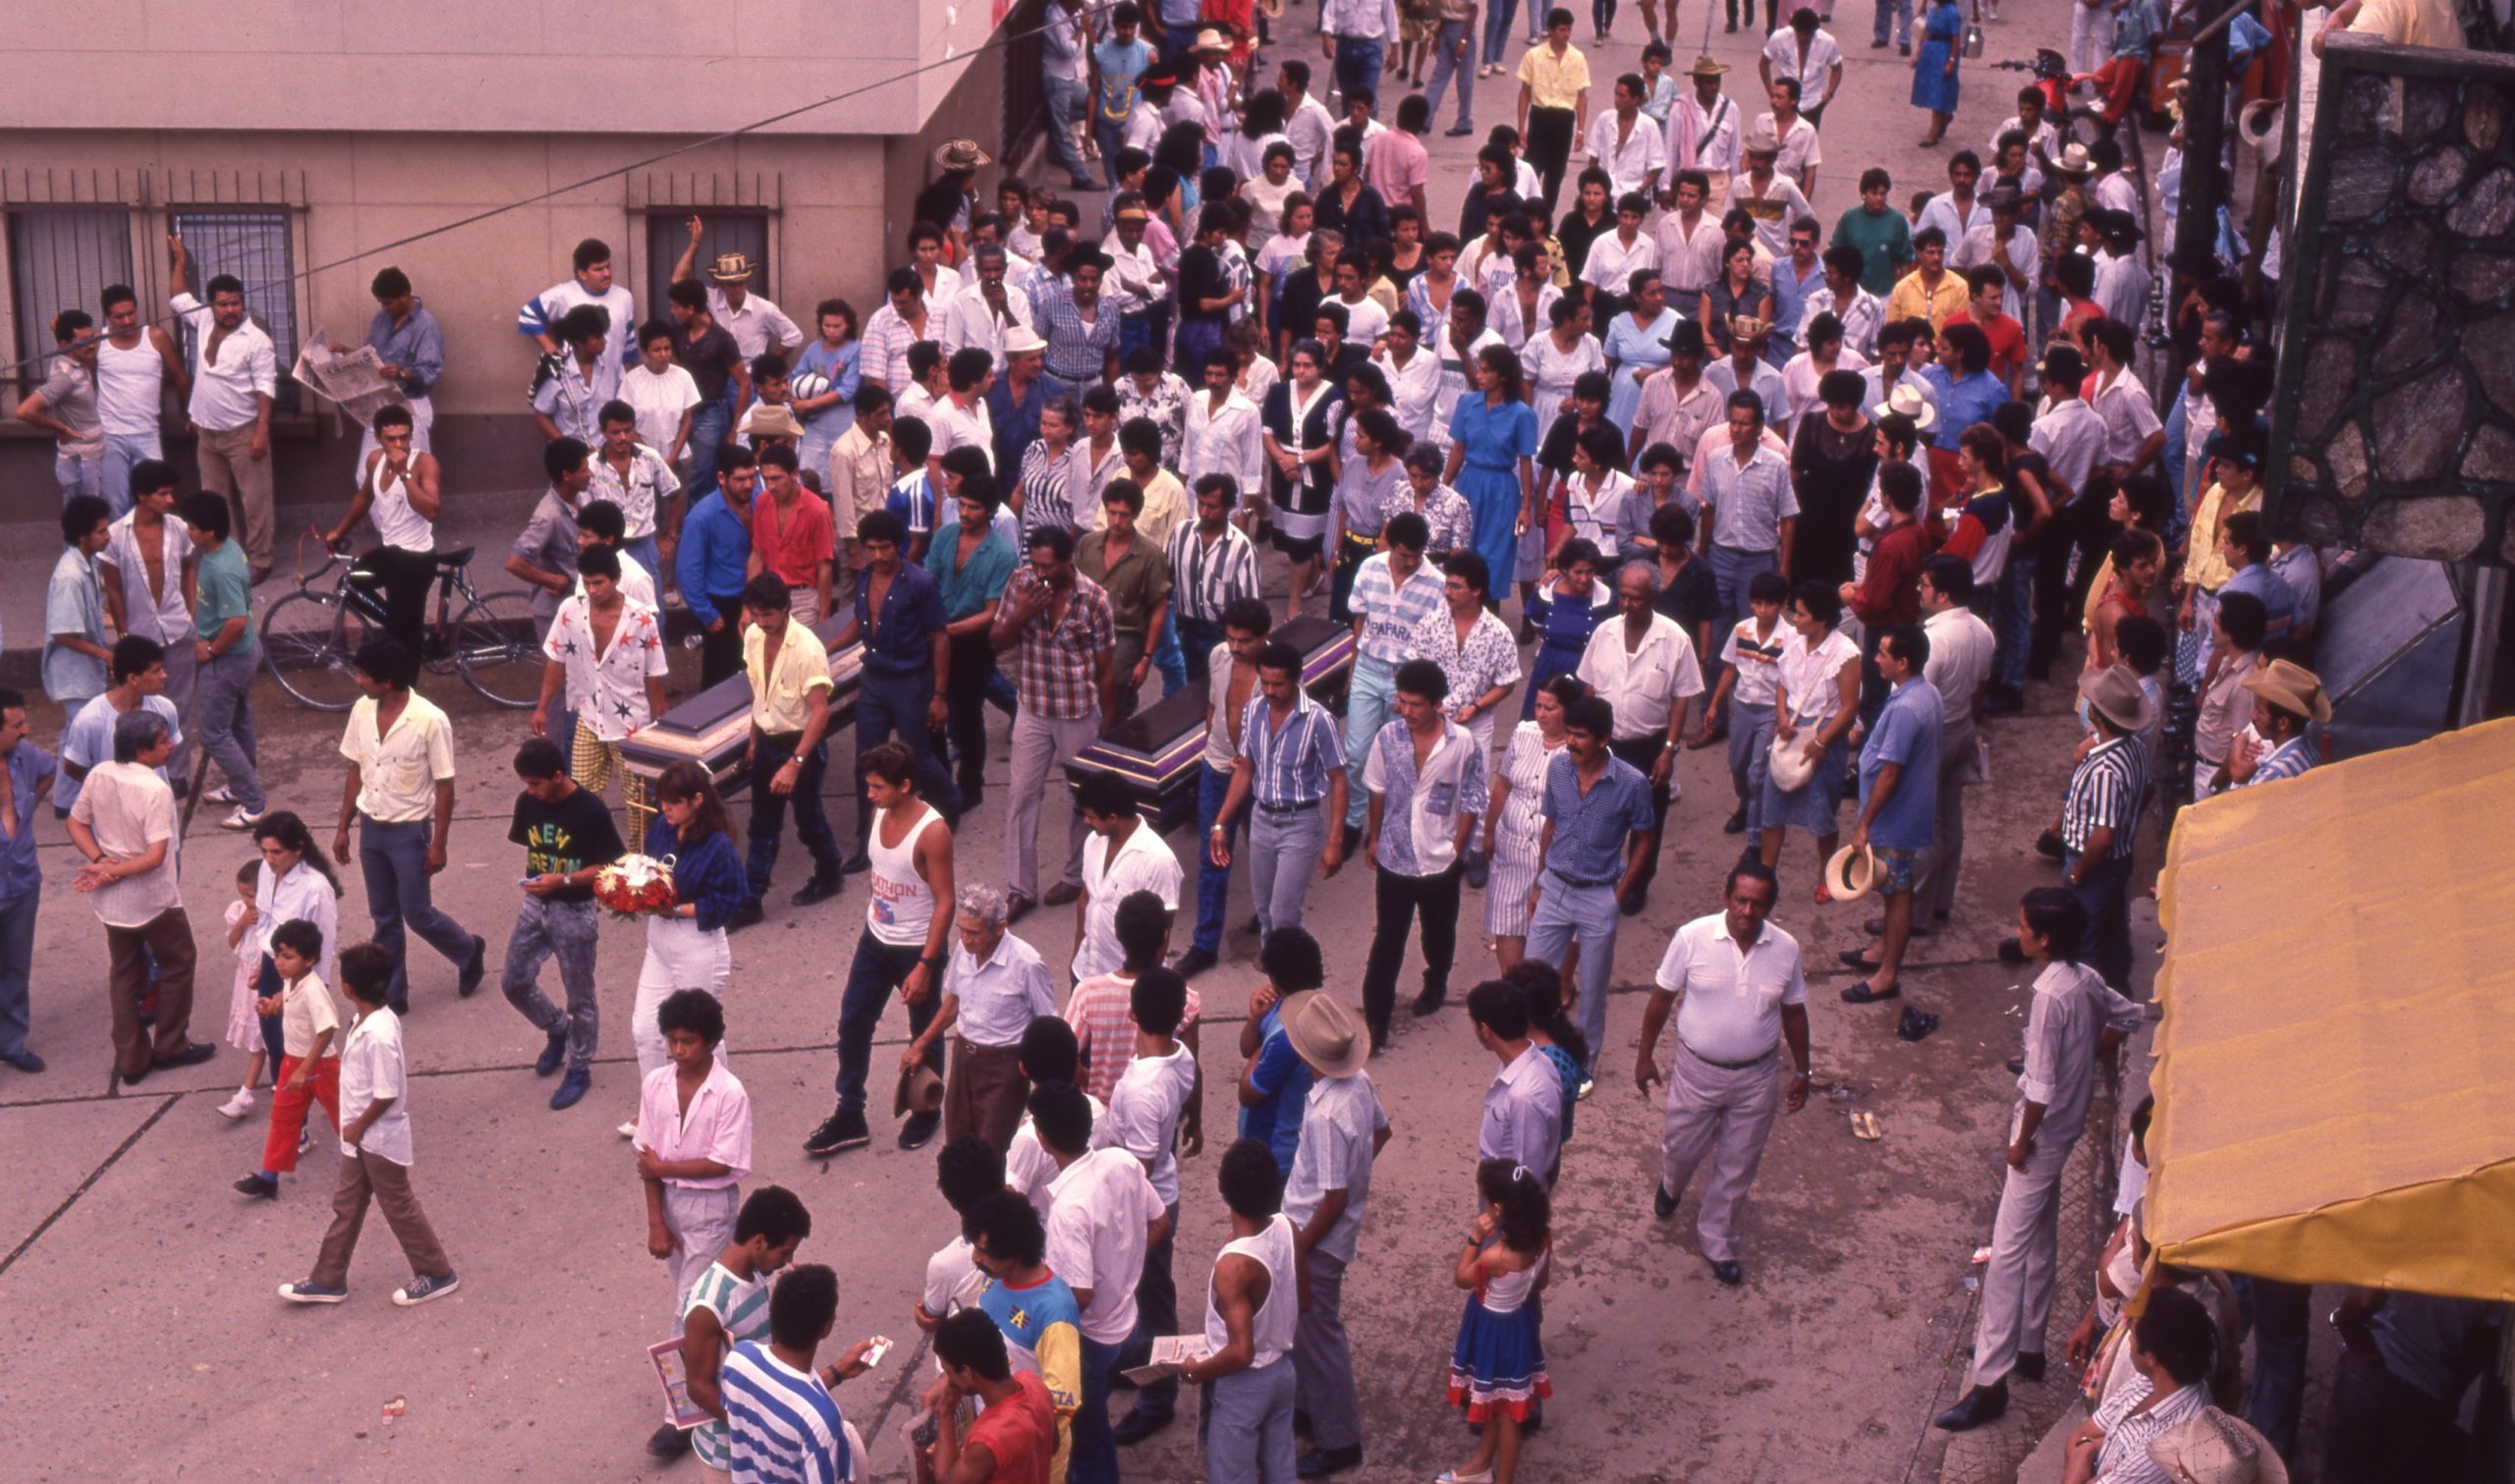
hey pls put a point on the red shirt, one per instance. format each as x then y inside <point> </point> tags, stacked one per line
<point>2007,338</point>
<point>1890,591</point>
<point>1021,1431</point>
<point>792,543</point>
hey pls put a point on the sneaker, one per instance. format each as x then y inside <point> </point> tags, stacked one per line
<point>920,1128</point>
<point>817,890</point>
<point>237,1106</point>
<point>305,1140</point>
<point>420,1290</point>
<point>311,1291</point>
<point>551,1055</point>
<point>629,1130</point>
<point>243,819</point>
<point>474,968</point>
<point>219,796</point>
<point>571,1090</point>
<point>840,1131</point>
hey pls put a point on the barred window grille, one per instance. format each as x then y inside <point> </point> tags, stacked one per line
<point>63,258</point>
<point>257,244</point>
<point>721,232</point>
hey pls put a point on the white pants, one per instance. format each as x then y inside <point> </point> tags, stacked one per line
<point>678,957</point>
<point>1726,1115</point>
<point>2091,37</point>
<point>2017,1283</point>
<point>422,416</point>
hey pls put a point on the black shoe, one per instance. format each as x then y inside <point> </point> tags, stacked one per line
<point>23,1060</point>
<point>1631,905</point>
<point>1428,1002</point>
<point>668,1442</point>
<point>838,1131</point>
<point>475,969</point>
<point>400,1008</point>
<point>1319,1463</point>
<point>1662,1204</point>
<point>551,1055</point>
<point>1015,907</point>
<point>258,1186</point>
<point>1062,893</point>
<point>749,914</point>
<point>571,1091</point>
<point>1980,1405</point>
<point>2049,845</point>
<point>1137,1425</point>
<point>2003,701</point>
<point>1903,48</point>
<point>193,1055</point>
<point>1448,134</point>
<point>2030,1364</point>
<point>918,1130</point>
<point>819,888</point>
<point>1193,962</point>
<point>1729,1273</point>
<point>2017,1067</point>
<point>2012,952</point>
<point>1737,823</point>
<point>856,865</point>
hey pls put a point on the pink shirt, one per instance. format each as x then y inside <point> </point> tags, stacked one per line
<point>717,1126</point>
<point>1394,163</point>
<point>1104,1029</point>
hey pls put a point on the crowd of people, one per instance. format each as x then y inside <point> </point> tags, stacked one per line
<point>1828,499</point>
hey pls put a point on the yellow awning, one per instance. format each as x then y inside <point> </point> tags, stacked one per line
<point>2335,1073</point>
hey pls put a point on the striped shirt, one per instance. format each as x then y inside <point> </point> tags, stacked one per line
<point>784,1422</point>
<point>1057,670</point>
<point>1748,505</point>
<point>1204,577</point>
<point>1390,614</point>
<point>2105,793</point>
<point>1043,497</point>
<point>1291,765</point>
<point>2289,760</point>
<point>742,1311</point>
<point>885,358</point>
<point>1103,1017</point>
<point>1077,352</point>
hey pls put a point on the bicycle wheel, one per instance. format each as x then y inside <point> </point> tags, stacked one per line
<point>497,647</point>
<point>310,642</point>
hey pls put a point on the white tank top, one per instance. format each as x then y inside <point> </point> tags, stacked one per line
<point>1270,1329</point>
<point>396,522</point>
<point>902,906</point>
<point>129,384</point>
<point>1507,1293</point>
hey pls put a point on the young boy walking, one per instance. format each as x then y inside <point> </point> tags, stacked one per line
<point>376,1146</point>
<point>308,1072</point>
<point>693,1148</point>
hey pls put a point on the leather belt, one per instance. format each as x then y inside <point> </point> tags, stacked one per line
<point>1755,1060</point>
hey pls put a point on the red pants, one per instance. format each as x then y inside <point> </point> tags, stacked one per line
<point>2117,83</point>
<point>288,1109</point>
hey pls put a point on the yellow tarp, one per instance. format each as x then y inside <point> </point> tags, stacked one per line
<point>2336,1072</point>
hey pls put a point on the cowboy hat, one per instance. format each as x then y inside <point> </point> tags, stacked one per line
<point>766,421</point>
<point>1790,765</point>
<point>2113,692</point>
<point>1760,140</point>
<point>2210,1446</point>
<point>954,156</point>
<point>1022,339</point>
<point>2004,199</point>
<point>1210,40</point>
<point>921,1091</point>
<point>1908,402</point>
<point>2072,160</point>
<point>732,268</point>
<point>1707,66</point>
<point>2292,686</point>
<point>1687,336</point>
<point>1851,873</point>
<point>2260,128</point>
<point>1325,1032</point>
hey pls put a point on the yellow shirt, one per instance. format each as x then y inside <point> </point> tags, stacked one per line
<point>304,1012</point>
<point>1554,82</point>
<point>777,698</point>
<point>2205,565</point>
<point>1165,504</point>
<point>398,772</point>
<point>1911,300</point>
<point>2410,22</point>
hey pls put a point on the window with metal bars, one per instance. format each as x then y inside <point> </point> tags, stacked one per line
<point>722,231</point>
<point>62,258</point>
<point>257,244</point>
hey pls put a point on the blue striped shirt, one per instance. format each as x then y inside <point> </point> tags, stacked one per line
<point>1590,829</point>
<point>1390,613</point>
<point>1290,766</point>
<point>2289,760</point>
<point>783,1423</point>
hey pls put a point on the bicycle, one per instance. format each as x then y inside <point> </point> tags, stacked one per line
<point>311,637</point>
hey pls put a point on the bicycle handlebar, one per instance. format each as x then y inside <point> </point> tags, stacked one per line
<point>332,556</point>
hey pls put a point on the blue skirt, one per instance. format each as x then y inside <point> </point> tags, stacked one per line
<point>1498,1364</point>
<point>1492,495</point>
<point>1815,809</point>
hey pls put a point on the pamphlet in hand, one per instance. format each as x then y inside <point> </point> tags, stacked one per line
<point>1169,1354</point>
<point>674,1376</point>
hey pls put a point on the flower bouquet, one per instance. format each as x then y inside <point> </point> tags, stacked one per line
<point>636,886</point>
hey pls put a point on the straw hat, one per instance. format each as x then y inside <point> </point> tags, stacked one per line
<point>1907,402</point>
<point>2292,686</point>
<point>921,1091</point>
<point>1707,66</point>
<point>1851,873</point>
<point>1325,1032</point>
<point>732,268</point>
<point>2072,160</point>
<point>1790,765</point>
<point>2260,128</point>
<point>2210,1446</point>
<point>1760,140</point>
<point>955,156</point>
<point>1210,40</point>
<point>766,421</point>
<point>1747,327</point>
<point>2114,694</point>
<point>1022,339</point>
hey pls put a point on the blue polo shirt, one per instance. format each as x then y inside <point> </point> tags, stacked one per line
<point>1963,401</point>
<point>715,555</point>
<point>1282,1079</point>
<point>21,876</point>
<point>903,643</point>
<point>981,579</point>
<point>1906,734</point>
<point>1590,829</point>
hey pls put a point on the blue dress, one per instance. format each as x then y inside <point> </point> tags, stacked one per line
<point>1492,440</point>
<point>1564,625</point>
<point>1935,86</point>
<point>1630,346</point>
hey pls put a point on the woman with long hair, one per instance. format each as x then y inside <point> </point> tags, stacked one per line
<point>685,949</point>
<point>1569,605</point>
<point>296,881</point>
<point>1514,819</point>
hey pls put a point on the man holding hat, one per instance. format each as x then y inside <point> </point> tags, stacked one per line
<point>1343,1128</point>
<point>2100,815</point>
<point>1744,999</point>
<point>1772,198</point>
<point>1898,801</point>
<point>2286,696</point>
<point>1703,130</point>
<point>748,317</point>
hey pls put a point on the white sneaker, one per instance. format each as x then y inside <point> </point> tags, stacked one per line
<point>305,1140</point>
<point>237,1106</point>
<point>221,795</point>
<point>629,1130</point>
<point>242,819</point>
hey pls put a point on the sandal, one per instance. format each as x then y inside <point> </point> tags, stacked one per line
<point>1863,994</point>
<point>1823,897</point>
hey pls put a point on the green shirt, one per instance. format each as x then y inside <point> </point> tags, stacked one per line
<point>742,1312</point>
<point>226,592</point>
<point>1885,240</point>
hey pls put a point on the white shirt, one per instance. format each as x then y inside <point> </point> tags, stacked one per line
<point>304,894</point>
<point>1689,260</point>
<point>969,321</point>
<point>1340,1125</point>
<point>225,394</point>
<point>997,999</point>
<point>1634,164</point>
<point>1142,862</point>
<point>957,427</point>
<point>952,1281</point>
<point>1145,1110</point>
<point>2044,135</point>
<point>1775,210</point>
<point>1412,388</point>
<point>650,483</point>
<point>1364,322</point>
<point>556,301</point>
<point>1943,213</point>
<point>636,584</point>
<point>1959,667</point>
<point>1030,1170</point>
<point>1800,151</point>
<point>1977,248</point>
<point>1715,132</point>
<point>2121,287</point>
<point>608,689</point>
<point>1611,264</point>
<point>2129,420</point>
<point>398,772</point>
<point>1310,127</point>
<point>371,1071</point>
<point>1641,684</point>
<point>1732,997</point>
<point>660,400</point>
<point>753,325</point>
<point>1133,285</point>
<point>1226,442</point>
<point>1101,1210</point>
<point>164,615</point>
<point>1824,54</point>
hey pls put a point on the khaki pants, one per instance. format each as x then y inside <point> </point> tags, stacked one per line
<point>1727,1114</point>
<point>984,1092</point>
<point>2026,1235</point>
<point>228,466</point>
<point>168,935</point>
<point>365,1176</point>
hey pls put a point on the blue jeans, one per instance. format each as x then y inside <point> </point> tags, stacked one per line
<point>122,450</point>
<point>17,969</point>
<point>1213,881</point>
<point>1156,1314</point>
<point>1367,710</point>
<point>1197,640</point>
<point>1751,729</point>
<point>2013,621</point>
<point>1167,658</point>
<point>1067,101</point>
<point>2171,457</point>
<point>893,708</point>
<point>1587,913</point>
<point>1446,65</point>
<point>710,421</point>
<point>1732,570</point>
<point>1135,333</point>
<point>768,808</point>
<point>1094,1456</point>
<point>649,556</point>
<point>84,475</point>
<point>2106,895</point>
<point>1112,140</point>
<point>879,969</point>
<point>1246,1425</point>
<point>1497,34</point>
<point>1901,11</point>
<point>393,857</point>
<point>223,711</point>
<point>1357,64</point>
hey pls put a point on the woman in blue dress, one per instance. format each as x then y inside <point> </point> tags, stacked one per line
<point>1568,607</point>
<point>1636,345</point>
<point>1935,80</point>
<point>1493,454</point>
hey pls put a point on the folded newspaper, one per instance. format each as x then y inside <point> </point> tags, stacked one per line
<point>1169,1354</point>
<point>353,381</point>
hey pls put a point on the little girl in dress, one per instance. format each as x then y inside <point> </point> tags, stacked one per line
<point>244,1023</point>
<point>1497,1369</point>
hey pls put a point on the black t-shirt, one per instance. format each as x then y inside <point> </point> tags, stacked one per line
<point>1693,599</point>
<point>709,360</point>
<point>565,838</point>
<point>1200,277</point>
